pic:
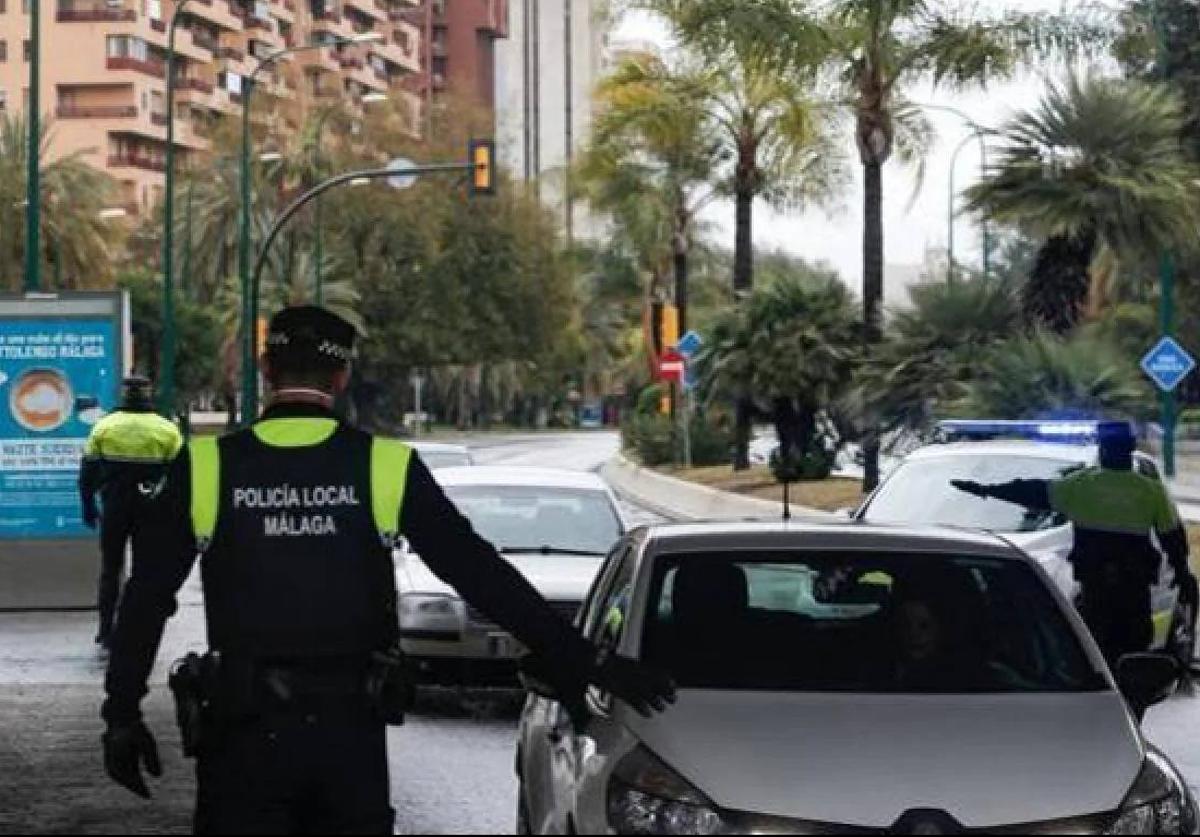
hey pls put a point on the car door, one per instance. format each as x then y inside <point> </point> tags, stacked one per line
<point>604,626</point>
<point>548,761</point>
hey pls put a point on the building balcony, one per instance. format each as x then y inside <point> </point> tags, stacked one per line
<point>152,68</point>
<point>216,12</point>
<point>97,112</point>
<point>197,85</point>
<point>368,8</point>
<point>136,160</point>
<point>229,53</point>
<point>93,13</point>
<point>205,42</point>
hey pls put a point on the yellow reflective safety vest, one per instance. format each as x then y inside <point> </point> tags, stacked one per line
<point>297,520</point>
<point>135,438</point>
<point>1114,514</point>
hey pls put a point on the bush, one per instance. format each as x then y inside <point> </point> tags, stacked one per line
<point>655,440</point>
<point>649,400</point>
<point>812,465</point>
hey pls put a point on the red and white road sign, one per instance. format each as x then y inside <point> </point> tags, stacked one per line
<point>672,367</point>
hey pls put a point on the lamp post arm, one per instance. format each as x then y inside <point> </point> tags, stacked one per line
<point>316,192</point>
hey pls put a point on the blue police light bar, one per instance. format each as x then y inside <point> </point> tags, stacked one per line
<point>1060,431</point>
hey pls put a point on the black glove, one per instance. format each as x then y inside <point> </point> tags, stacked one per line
<point>127,748</point>
<point>647,691</point>
<point>970,487</point>
<point>91,517</point>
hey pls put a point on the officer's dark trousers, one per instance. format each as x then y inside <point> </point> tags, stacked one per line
<point>297,773</point>
<point>116,530</point>
<point>1120,617</point>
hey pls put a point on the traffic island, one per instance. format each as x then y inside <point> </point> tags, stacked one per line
<point>680,499</point>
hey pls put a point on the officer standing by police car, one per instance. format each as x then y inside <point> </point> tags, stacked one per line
<point>127,450</point>
<point>1114,510</point>
<point>294,521</point>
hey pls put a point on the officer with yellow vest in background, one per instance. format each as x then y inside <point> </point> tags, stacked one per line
<point>127,452</point>
<point>295,521</point>
<point>1115,512</point>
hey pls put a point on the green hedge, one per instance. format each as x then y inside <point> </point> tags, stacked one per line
<point>657,440</point>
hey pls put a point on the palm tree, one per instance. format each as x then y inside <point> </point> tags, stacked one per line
<point>650,166</point>
<point>790,351</point>
<point>1044,375</point>
<point>74,195</point>
<point>1099,172</point>
<point>874,51</point>
<point>933,351</point>
<point>777,136</point>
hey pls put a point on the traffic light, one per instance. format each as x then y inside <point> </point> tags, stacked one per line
<point>482,154</point>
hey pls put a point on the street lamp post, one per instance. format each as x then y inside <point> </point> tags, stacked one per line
<point>166,391</point>
<point>979,134</point>
<point>33,207</point>
<point>249,300</point>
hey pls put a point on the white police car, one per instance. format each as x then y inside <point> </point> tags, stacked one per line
<point>919,492</point>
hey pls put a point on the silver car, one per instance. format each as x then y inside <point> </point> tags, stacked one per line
<point>844,679</point>
<point>919,492</point>
<point>555,526</point>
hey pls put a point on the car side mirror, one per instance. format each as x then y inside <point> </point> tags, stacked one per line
<point>1147,680</point>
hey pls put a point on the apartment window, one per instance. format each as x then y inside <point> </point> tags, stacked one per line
<point>123,46</point>
<point>154,10</point>
<point>3,101</point>
<point>25,7</point>
<point>27,50</point>
<point>3,52</point>
<point>3,6</point>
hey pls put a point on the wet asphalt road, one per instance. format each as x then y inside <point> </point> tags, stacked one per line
<point>452,765</point>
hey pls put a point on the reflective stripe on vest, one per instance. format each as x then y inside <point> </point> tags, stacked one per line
<point>390,460</point>
<point>206,487</point>
<point>389,479</point>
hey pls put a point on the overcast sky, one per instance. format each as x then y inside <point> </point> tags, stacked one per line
<point>837,239</point>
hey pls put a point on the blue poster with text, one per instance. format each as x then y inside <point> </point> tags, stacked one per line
<point>58,377</point>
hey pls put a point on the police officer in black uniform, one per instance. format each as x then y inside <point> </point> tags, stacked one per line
<point>290,519</point>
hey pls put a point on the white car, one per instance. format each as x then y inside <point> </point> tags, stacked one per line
<point>918,492</point>
<point>437,456</point>
<point>846,678</point>
<point>555,526</point>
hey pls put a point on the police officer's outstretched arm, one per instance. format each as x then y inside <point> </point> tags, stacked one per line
<point>450,547</point>
<point>1030,494</point>
<point>160,569</point>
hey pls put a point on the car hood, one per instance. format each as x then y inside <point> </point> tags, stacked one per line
<point>558,578</point>
<point>864,761</point>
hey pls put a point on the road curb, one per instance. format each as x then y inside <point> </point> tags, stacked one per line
<point>680,500</point>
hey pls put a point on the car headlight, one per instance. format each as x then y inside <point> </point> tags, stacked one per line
<point>647,797</point>
<point>423,610</point>
<point>1158,804</point>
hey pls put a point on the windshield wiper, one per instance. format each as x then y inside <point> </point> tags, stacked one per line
<point>550,550</point>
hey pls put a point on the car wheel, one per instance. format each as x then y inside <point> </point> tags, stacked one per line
<point>523,826</point>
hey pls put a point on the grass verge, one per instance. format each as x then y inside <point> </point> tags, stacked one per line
<point>828,495</point>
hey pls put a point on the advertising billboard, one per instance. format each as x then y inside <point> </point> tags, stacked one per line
<point>62,359</point>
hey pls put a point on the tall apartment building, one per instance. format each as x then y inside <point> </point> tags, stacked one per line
<point>545,83</point>
<point>103,72</point>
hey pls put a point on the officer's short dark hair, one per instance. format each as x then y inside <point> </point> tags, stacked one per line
<point>308,346</point>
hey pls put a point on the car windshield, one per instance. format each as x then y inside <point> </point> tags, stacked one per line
<point>920,493</point>
<point>861,623</point>
<point>536,518</point>
<point>436,460</point>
